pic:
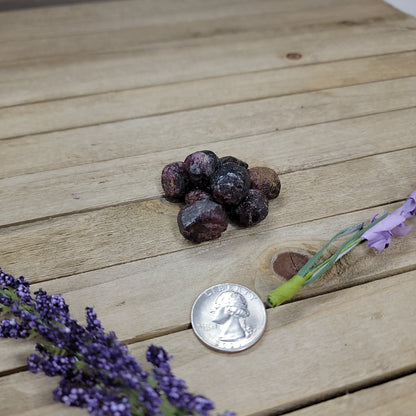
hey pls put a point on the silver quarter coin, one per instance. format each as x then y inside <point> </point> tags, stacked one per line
<point>228,317</point>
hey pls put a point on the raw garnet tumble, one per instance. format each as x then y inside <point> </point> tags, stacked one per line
<point>202,221</point>
<point>215,190</point>
<point>232,159</point>
<point>200,167</point>
<point>196,195</point>
<point>266,180</point>
<point>253,209</point>
<point>175,180</point>
<point>230,184</point>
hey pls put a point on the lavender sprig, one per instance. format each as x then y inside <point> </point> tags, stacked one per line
<point>96,371</point>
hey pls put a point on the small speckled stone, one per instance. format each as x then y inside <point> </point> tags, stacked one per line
<point>196,195</point>
<point>201,166</point>
<point>253,209</point>
<point>265,180</point>
<point>232,159</point>
<point>174,181</point>
<point>230,184</point>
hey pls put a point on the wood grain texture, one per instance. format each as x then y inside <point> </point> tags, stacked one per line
<point>105,72</point>
<point>345,340</point>
<point>124,290</point>
<point>166,20</point>
<point>133,103</point>
<point>96,97</point>
<point>133,40</point>
<point>350,334</point>
<point>206,126</point>
<point>8,5</point>
<point>85,241</point>
<point>395,398</point>
<point>102,184</point>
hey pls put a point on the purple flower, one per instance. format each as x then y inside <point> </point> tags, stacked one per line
<point>52,365</point>
<point>96,370</point>
<point>173,387</point>
<point>158,357</point>
<point>380,235</point>
<point>9,328</point>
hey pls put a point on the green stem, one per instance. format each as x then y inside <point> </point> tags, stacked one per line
<point>309,272</point>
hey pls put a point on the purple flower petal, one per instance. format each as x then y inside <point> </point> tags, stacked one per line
<point>379,236</point>
<point>378,239</point>
<point>401,229</point>
<point>408,209</point>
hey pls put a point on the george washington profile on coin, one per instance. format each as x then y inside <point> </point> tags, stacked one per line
<point>228,317</point>
<point>230,310</point>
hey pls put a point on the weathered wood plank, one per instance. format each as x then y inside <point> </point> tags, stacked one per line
<point>20,84</point>
<point>127,232</point>
<point>310,350</point>
<point>151,66</point>
<point>8,5</point>
<point>131,40</point>
<point>164,20</point>
<point>122,105</point>
<point>396,397</point>
<point>131,289</point>
<point>208,125</point>
<point>345,340</point>
<point>97,185</point>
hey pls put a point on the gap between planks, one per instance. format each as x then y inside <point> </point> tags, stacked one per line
<point>361,351</point>
<point>84,111</point>
<point>213,56</point>
<point>18,92</point>
<point>138,230</point>
<point>136,179</point>
<point>390,396</point>
<point>30,145</point>
<point>124,289</point>
<point>192,19</point>
<point>35,51</point>
<point>77,147</point>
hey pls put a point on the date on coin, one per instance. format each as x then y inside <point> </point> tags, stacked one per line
<point>228,317</point>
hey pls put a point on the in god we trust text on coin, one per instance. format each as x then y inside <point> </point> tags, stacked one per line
<point>228,317</point>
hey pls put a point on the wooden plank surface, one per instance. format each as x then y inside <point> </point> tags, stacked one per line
<point>96,97</point>
<point>251,266</point>
<point>133,103</point>
<point>101,73</point>
<point>207,126</point>
<point>117,181</point>
<point>396,397</point>
<point>349,331</point>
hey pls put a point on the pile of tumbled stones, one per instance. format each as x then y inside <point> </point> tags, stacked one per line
<point>216,190</point>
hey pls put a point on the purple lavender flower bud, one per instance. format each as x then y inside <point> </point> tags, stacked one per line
<point>93,324</point>
<point>7,280</point>
<point>97,372</point>
<point>201,404</point>
<point>50,364</point>
<point>158,357</point>
<point>9,328</point>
